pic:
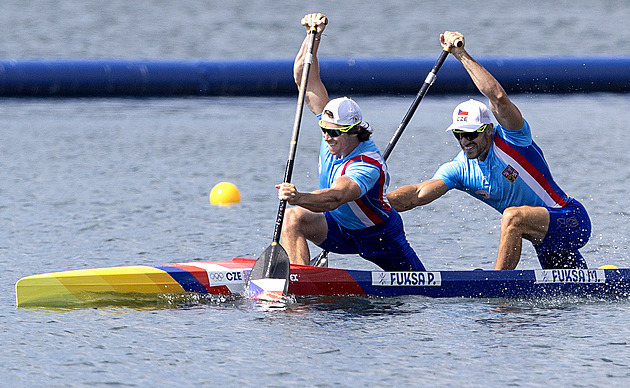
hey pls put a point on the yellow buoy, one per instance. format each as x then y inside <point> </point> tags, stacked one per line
<point>224,193</point>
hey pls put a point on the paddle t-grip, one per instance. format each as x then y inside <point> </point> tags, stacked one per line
<point>457,43</point>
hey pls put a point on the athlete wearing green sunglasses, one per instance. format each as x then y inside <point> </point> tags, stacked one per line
<point>349,213</point>
<point>335,131</point>
<point>459,134</point>
<point>501,165</point>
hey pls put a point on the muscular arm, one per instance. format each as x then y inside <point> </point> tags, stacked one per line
<point>407,197</point>
<point>316,96</point>
<point>342,190</point>
<point>503,109</point>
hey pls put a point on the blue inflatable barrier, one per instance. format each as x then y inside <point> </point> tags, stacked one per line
<point>124,77</point>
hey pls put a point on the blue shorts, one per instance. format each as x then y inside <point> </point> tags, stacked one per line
<point>384,244</point>
<point>569,230</point>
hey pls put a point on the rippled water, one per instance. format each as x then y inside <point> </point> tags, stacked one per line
<point>266,29</point>
<point>107,182</point>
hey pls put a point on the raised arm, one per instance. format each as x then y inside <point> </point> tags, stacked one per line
<point>503,109</point>
<point>316,96</point>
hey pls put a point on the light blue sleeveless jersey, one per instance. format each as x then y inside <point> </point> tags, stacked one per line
<point>515,173</point>
<point>366,167</point>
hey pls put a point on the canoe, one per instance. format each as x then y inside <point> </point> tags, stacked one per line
<point>111,285</point>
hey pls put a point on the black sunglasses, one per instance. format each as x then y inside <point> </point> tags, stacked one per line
<point>470,136</point>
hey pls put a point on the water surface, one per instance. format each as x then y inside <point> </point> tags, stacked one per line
<point>107,182</point>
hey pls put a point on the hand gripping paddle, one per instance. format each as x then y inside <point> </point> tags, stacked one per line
<point>269,278</point>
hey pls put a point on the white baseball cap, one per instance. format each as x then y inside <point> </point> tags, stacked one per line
<point>342,111</point>
<point>469,116</point>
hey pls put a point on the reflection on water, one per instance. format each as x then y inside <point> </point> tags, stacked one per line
<point>357,306</point>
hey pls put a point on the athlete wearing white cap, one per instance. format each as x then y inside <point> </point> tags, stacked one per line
<point>503,167</point>
<point>350,212</point>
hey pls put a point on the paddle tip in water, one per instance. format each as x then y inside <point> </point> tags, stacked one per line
<point>224,193</point>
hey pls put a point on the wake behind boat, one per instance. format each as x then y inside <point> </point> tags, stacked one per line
<point>106,286</point>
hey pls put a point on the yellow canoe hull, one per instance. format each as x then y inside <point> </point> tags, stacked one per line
<point>80,286</point>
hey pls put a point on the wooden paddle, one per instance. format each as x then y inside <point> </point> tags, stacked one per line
<point>269,278</point>
<point>321,260</point>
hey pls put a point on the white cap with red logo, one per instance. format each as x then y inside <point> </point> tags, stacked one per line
<point>469,116</point>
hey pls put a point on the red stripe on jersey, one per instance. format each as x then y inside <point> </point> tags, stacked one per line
<point>371,214</point>
<point>531,169</point>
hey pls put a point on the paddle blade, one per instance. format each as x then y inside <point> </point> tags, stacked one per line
<point>267,289</point>
<point>274,264</point>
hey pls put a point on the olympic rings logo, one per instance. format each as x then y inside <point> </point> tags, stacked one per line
<point>216,276</point>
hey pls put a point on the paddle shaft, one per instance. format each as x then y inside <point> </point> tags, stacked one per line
<point>416,102</point>
<point>288,172</point>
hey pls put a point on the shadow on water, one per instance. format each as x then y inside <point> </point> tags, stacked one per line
<point>359,306</point>
<point>540,312</point>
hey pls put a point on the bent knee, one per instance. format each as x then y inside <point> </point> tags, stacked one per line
<point>521,219</point>
<point>513,216</point>
<point>298,218</point>
<point>532,222</point>
<point>293,216</point>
